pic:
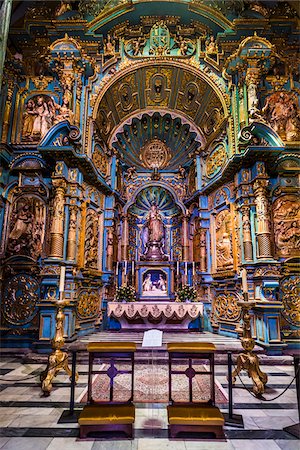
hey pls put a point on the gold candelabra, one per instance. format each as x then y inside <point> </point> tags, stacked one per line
<point>57,360</point>
<point>248,360</point>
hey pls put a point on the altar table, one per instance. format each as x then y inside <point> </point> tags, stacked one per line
<point>154,314</point>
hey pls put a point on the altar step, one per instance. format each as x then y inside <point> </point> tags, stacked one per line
<point>159,354</point>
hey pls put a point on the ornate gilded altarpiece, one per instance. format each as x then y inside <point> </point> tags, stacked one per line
<point>161,144</point>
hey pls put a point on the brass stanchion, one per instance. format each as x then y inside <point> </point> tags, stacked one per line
<point>58,360</point>
<point>248,360</point>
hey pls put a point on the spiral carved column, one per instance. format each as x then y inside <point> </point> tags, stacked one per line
<point>57,228</point>
<point>185,238</point>
<point>247,238</point>
<point>125,237</point>
<point>7,110</point>
<point>263,218</point>
<point>110,248</point>
<point>71,244</point>
<point>203,250</point>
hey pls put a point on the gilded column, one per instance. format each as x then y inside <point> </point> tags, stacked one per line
<point>57,228</point>
<point>203,250</point>
<point>262,218</point>
<point>252,81</point>
<point>125,238</point>
<point>110,248</point>
<point>247,238</point>
<point>185,237</point>
<point>78,98</point>
<point>71,244</point>
<point>8,107</point>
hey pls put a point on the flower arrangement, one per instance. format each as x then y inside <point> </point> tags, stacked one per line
<point>125,293</point>
<point>186,292</point>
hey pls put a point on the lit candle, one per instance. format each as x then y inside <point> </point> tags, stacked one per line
<point>62,278</point>
<point>117,268</point>
<point>244,281</point>
<point>185,268</point>
<point>132,271</point>
<point>125,267</point>
<point>194,269</point>
<point>177,268</point>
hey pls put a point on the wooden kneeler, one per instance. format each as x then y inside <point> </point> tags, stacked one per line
<point>189,417</point>
<point>109,416</point>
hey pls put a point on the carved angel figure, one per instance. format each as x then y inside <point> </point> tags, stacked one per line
<point>109,46</point>
<point>211,46</point>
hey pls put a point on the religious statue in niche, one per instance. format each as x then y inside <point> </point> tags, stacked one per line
<point>154,284</point>
<point>27,224</point>
<point>224,256</point>
<point>91,240</point>
<point>109,46</point>
<point>125,95</point>
<point>37,118</point>
<point>153,236</point>
<point>286,213</point>
<point>211,46</point>
<point>64,112</point>
<point>158,87</point>
<point>282,113</point>
<point>190,96</point>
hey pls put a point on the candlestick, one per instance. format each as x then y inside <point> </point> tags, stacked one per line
<point>117,268</point>
<point>194,269</point>
<point>132,271</point>
<point>125,267</point>
<point>185,268</point>
<point>244,281</point>
<point>62,278</point>
<point>177,271</point>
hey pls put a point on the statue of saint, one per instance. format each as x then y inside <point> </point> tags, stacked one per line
<point>147,284</point>
<point>155,224</point>
<point>161,284</point>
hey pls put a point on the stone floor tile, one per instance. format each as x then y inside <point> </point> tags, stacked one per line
<point>69,444</point>
<point>27,443</point>
<point>288,445</point>
<point>257,444</point>
<point>3,441</point>
<point>160,444</point>
<point>201,445</point>
<point>115,445</point>
<point>274,423</point>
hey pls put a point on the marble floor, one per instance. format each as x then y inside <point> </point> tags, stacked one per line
<point>29,421</point>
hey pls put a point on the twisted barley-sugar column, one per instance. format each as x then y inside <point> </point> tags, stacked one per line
<point>203,250</point>
<point>263,218</point>
<point>7,110</point>
<point>125,237</point>
<point>57,227</point>
<point>246,226</point>
<point>185,238</point>
<point>110,248</point>
<point>71,243</point>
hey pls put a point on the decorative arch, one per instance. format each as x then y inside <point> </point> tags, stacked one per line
<point>151,185</point>
<point>134,90</point>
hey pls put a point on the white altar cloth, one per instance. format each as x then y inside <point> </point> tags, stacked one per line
<point>154,314</point>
